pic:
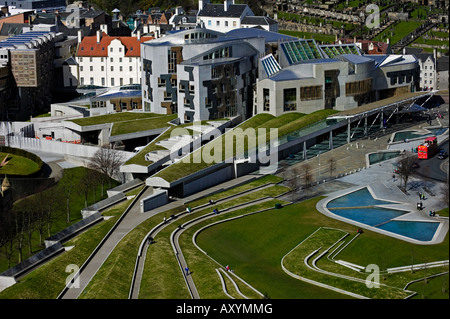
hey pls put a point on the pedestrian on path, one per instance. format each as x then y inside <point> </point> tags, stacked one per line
<point>187,270</point>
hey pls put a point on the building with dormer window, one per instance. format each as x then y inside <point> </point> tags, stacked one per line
<point>108,61</point>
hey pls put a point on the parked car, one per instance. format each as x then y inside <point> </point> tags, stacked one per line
<point>442,154</point>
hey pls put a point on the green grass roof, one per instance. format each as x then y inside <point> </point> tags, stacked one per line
<point>141,124</point>
<point>285,123</point>
<point>113,118</point>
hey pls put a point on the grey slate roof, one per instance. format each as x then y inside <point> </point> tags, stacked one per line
<point>217,10</point>
<point>258,20</point>
<point>442,63</point>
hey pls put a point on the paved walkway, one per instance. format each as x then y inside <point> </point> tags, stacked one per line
<point>133,218</point>
<point>351,158</point>
<point>354,173</point>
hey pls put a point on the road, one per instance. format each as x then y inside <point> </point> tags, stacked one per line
<point>432,168</point>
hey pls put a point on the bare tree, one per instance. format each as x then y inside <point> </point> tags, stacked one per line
<point>67,184</point>
<point>107,161</point>
<point>404,169</point>
<point>306,175</point>
<point>85,185</point>
<point>332,165</point>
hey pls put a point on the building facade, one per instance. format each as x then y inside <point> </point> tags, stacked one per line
<point>108,61</point>
<point>222,17</point>
<point>30,58</point>
<point>202,74</point>
<point>307,77</point>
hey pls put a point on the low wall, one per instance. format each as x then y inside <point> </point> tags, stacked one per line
<point>157,199</point>
<point>52,146</point>
<point>70,231</point>
<point>32,262</point>
<point>103,204</point>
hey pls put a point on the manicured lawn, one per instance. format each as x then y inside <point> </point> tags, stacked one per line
<point>397,32</point>
<point>17,165</point>
<point>138,125</point>
<point>113,118</point>
<point>47,281</point>
<point>255,245</point>
<point>324,38</point>
<point>226,146</point>
<point>77,203</point>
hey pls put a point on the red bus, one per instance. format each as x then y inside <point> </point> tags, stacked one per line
<point>428,148</point>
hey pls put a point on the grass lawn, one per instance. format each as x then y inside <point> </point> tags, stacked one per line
<point>138,125</point>
<point>162,277</point>
<point>198,160</point>
<point>113,118</point>
<point>77,202</point>
<point>47,281</point>
<point>255,245</point>
<point>17,165</point>
<point>396,32</point>
<point>324,38</point>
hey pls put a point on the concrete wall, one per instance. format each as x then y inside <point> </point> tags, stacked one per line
<point>77,150</point>
<point>157,199</point>
<point>211,179</point>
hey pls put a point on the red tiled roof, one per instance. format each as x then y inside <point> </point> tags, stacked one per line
<point>90,48</point>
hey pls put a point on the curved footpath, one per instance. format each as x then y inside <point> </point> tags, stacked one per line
<point>131,220</point>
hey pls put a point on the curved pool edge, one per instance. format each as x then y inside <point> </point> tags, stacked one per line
<point>438,236</point>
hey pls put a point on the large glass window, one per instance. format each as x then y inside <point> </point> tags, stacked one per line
<point>290,99</point>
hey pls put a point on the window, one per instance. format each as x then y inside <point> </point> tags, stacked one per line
<point>91,81</point>
<point>311,92</point>
<point>82,81</point>
<point>266,98</point>
<point>103,81</point>
<point>112,81</point>
<point>120,68</point>
<point>112,68</point>
<point>290,99</point>
<point>131,80</point>
<point>90,59</point>
<point>131,68</point>
<point>226,23</point>
<point>121,81</point>
<point>111,59</point>
<point>218,23</point>
<point>81,68</point>
<point>91,68</point>
<point>234,23</point>
<point>120,60</point>
<point>110,49</point>
<point>209,23</point>
<point>103,68</point>
<point>172,64</point>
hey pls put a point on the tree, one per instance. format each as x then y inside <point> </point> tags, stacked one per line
<point>404,169</point>
<point>106,161</point>
<point>306,175</point>
<point>67,184</point>
<point>331,165</point>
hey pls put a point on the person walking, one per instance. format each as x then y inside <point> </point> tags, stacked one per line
<point>187,270</point>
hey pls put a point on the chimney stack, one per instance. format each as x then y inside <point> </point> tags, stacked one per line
<point>80,35</point>
<point>99,36</point>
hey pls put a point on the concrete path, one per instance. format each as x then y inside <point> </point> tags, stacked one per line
<point>178,251</point>
<point>133,218</point>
